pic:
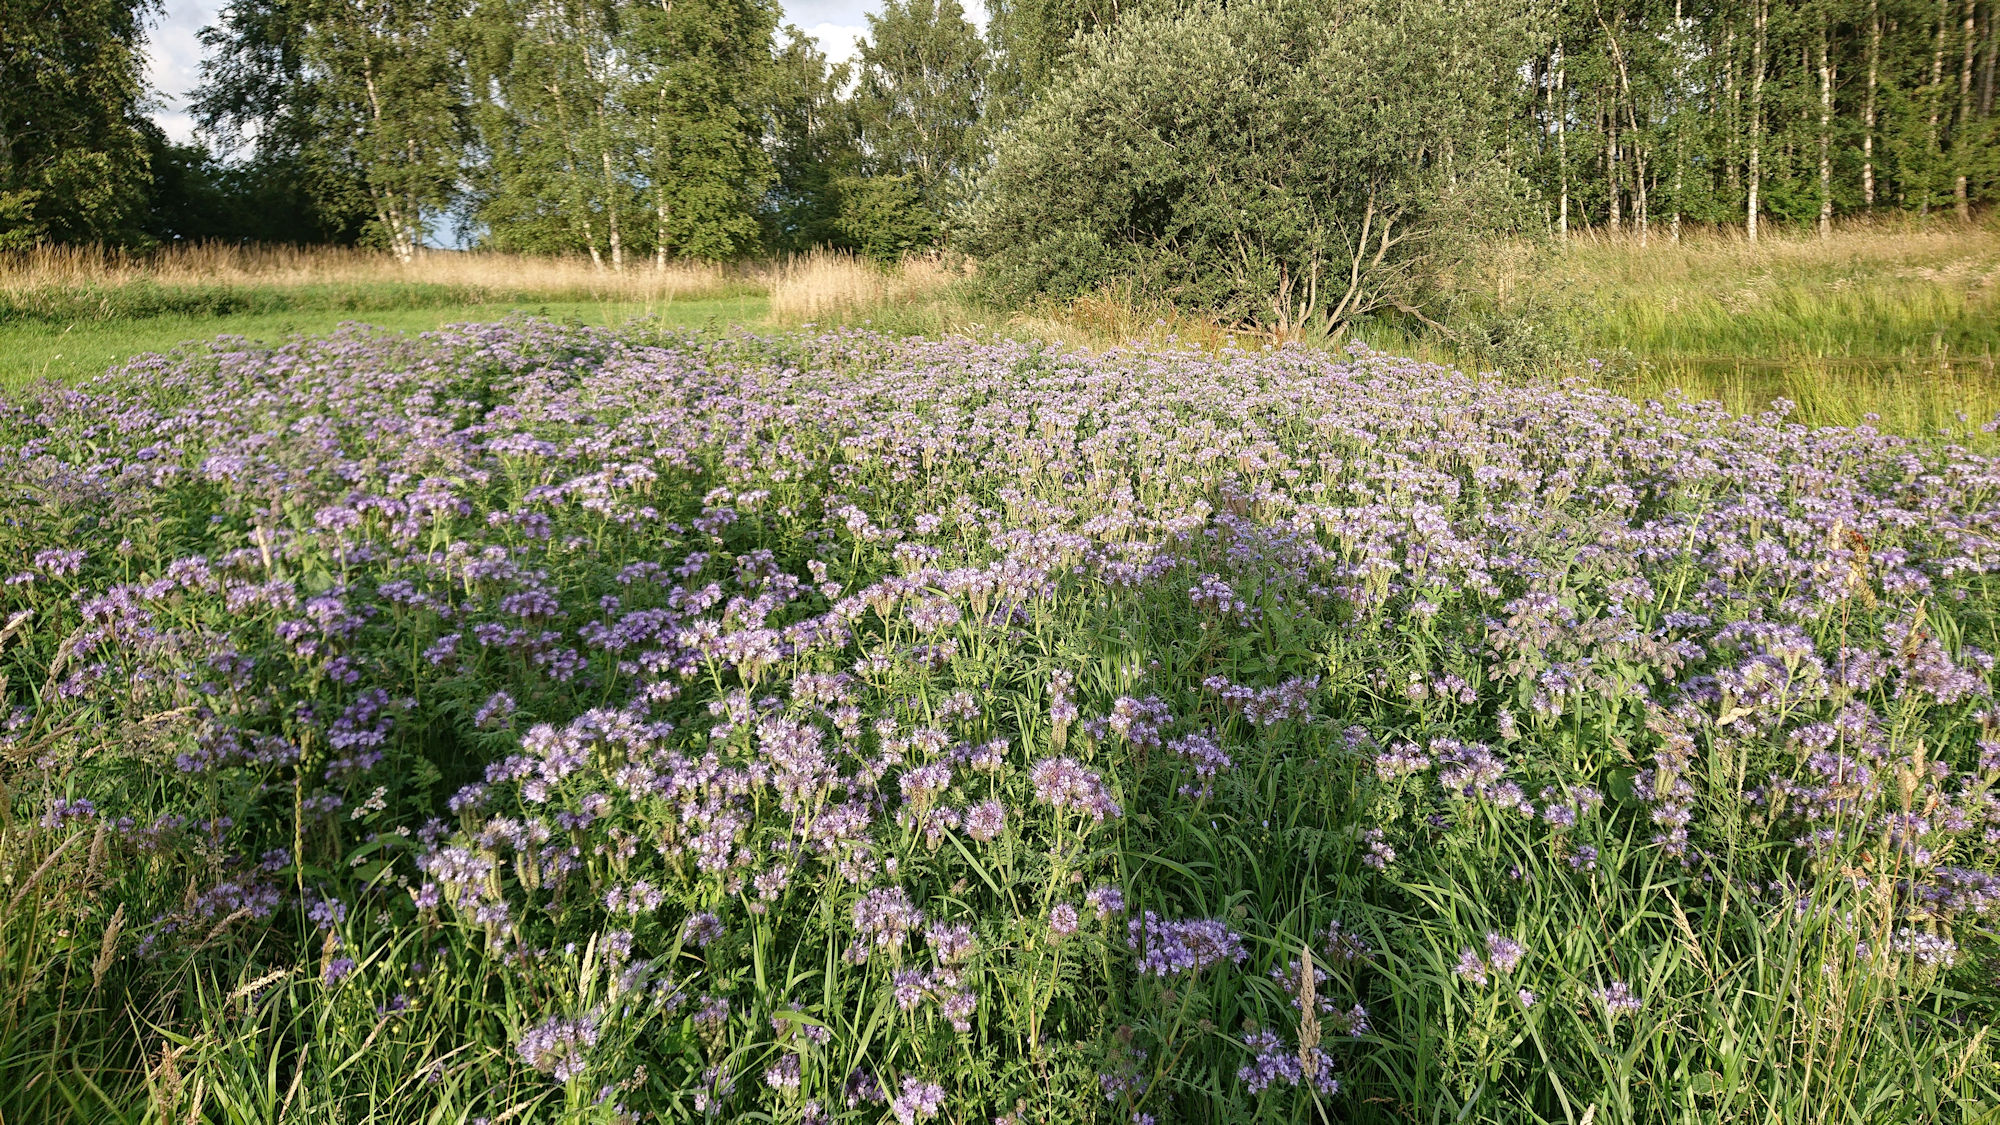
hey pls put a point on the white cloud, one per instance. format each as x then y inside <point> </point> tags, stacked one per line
<point>173,62</point>
<point>838,40</point>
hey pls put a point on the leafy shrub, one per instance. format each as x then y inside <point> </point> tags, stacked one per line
<point>573,726</point>
<point>1277,162</point>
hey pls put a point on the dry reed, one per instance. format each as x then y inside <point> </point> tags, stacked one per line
<point>835,285</point>
<point>207,264</point>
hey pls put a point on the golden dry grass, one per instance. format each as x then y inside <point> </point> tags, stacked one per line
<point>1930,248</point>
<point>828,285</point>
<point>1894,317</point>
<point>211,264</point>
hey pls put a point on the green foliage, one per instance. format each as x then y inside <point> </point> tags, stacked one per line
<point>920,88</point>
<point>812,146</point>
<point>194,197</point>
<point>73,152</point>
<point>622,129</point>
<point>558,174</point>
<point>703,67</point>
<point>886,217</point>
<point>1034,41</point>
<point>1223,159</point>
<point>369,101</point>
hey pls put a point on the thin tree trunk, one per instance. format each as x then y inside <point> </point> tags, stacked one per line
<point>1825,132</point>
<point>1733,94</point>
<point>1935,142</point>
<point>1632,118</point>
<point>1868,103</point>
<point>1762,21</point>
<point>1562,139</point>
<point>1992,61</point>
<point>1680,173</point>
<point>1611,172</point>
<point>575,178</point>
<point>1962,135</point>
<point>660,230</point>
<point>611,211</point>
<point>388,207</point>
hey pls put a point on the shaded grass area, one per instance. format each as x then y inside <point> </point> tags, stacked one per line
<point>79,348</point>
<point>1891,323</point>
<point>1892,295</point>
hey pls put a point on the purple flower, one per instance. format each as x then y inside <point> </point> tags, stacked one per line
<point>1616,999</point>
<point>1105,901</point>
<point>1063,919</point>
<point>1278,1064</point>
<point>1470,966</point>
<point>1170,948</point>
<point>886,916</point>
<point>783,1074</point>
<point>1503,953</point>
<point>985,821</point>
<point>559,1048</point>
<point>959,1008</point>
<point>1065,784</point>
<point>910,986</point>
<point>701,929</point>
<point>952,944</point>
<point>494,711</point>
<point>63,811</point>
<point>919,1101</point>
<point>327,913</point>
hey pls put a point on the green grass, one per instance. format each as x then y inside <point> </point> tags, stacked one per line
<point>1895,324</point>
<point>72,349</point>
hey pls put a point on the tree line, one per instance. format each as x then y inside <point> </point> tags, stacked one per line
<point>643,131</point>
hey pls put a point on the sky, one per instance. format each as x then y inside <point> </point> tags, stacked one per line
<point>173,53</point>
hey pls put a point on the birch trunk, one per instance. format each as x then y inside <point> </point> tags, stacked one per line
<point>1611,173</point>
<point>1868,103</point>
<point>1992,59</point>
<point>389,208</point>
<point>1825,134</point>
<point>611,211</point>
<point>1936,139</point>
<point>1562,139</point>
<point>1733,94</point>
<point>1962,134</point>
<point>574,174</point>
<point>1762,20</point>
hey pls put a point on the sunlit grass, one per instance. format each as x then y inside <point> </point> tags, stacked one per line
<point>79,349</point>
<point>1893,322</point>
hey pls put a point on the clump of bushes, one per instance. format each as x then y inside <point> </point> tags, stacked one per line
<point>1284,164</point>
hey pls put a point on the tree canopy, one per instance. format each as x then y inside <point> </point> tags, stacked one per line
<point>1270,161</point>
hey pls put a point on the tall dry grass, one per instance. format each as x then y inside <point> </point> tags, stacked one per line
<point>213,264</point>
<point>1892,292</point>
<point>825,285</point>
<point>1895,317</point>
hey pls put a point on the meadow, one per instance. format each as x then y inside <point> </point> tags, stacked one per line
<point>969,718</point>
<point>1893,317</point>
<point>549,723</point>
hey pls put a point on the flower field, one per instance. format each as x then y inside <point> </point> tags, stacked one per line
<point>527,723</point>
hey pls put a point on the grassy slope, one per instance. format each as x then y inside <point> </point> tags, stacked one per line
<point>79,348</point>
<point>1896,319</point>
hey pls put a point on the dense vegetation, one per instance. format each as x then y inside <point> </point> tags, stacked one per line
<point>582,727</point>
<point>533,722</point>
<point>642,133</point>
